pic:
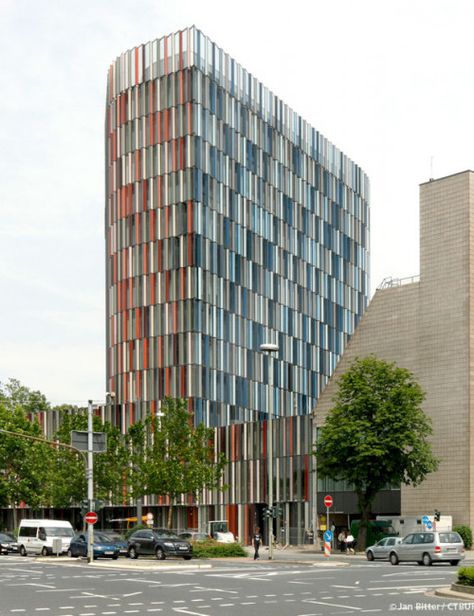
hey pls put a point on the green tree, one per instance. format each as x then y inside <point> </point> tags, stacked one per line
<point>178,458</point>
<point>23,462</point>
<point>376,434</point>
<point>68,481</point>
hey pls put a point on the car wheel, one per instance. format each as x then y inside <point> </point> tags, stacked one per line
<point>114,557</point>
<point>187,557</point>
<point>44,551</point>
<point>454,563</point>
<point>427,559</point>
<point>370,555</point>
<point>132,553</point>
<point>394,558</point>
<point>420,562</point>
<point>70,554</point>
<point>160,555</point>
<point>22,550</point>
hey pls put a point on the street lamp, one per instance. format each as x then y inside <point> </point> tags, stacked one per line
<point>270,348</point>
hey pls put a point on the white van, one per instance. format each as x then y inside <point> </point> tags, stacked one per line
<point>37,536</point>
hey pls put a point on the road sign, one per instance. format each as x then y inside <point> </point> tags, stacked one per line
<point>429,525</point>
<point>79,441</point>
<point>328,535</point>
<point>91,517</point>
<point>328,501</point>
<point>425,519</point>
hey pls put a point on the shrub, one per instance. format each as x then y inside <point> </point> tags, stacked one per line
<point>466,534</point>
<point>466,576</point>
<point>213,549</point>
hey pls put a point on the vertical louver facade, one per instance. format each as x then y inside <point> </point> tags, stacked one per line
<point>230,221</point>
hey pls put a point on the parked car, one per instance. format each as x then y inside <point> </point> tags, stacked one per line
<point>381,549</point>
<point>428,547</point>
<point>192,535</point>
<point>8,543</point>
<point>119,541</point>
<point>160,542</point>
<point>103,546</point>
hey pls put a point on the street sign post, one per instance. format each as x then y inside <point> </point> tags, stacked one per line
<point>328,501</point>
<point>327,542</point>
<point>328,504</point>
<point>91,517</point>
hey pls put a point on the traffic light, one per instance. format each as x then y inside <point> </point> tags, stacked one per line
<point>267,512</point>
<point>437,515</point>
<point>277,511</point>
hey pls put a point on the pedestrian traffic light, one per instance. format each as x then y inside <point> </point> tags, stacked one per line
<point>437,515</point>
<point>267,512</point>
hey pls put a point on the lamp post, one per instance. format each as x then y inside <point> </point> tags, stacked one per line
<point>270,349</point>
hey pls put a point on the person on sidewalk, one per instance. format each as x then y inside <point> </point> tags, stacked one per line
<point>256,541</point>
<point>342,540</point>
<point>350,544</point>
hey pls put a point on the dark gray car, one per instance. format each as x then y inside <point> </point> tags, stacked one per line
<point>159,542</point>
<point>428,547</point>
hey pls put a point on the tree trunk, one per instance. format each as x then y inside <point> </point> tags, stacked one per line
<point>365,507</point>
<point>170,514</point>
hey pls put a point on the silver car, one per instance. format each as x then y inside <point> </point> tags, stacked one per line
<point>382,548</point>
<point>428,547</point>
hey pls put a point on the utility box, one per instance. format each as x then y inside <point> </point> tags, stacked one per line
<point>57,546</point>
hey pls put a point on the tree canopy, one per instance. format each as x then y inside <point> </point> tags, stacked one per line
<point>376,434</point>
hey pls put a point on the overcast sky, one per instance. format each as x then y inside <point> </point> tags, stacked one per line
<point>390,82</point>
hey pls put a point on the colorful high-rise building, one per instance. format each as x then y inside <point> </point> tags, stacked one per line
<point>230,222</point>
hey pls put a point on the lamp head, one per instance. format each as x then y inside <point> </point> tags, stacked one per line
<point>268,347</point>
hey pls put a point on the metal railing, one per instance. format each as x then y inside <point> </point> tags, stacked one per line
<point>389,282</point>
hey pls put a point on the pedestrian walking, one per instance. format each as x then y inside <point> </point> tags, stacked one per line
<point>256,540</point>
<point>350,544</point>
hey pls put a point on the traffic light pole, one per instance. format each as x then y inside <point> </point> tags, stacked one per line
<point>90,482</point>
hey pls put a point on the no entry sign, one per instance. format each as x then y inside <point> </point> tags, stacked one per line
<point>328,501</point>
<point>91,517</point>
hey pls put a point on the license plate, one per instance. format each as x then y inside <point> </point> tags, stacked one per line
<point>109,553</point>
<point>182,547</point>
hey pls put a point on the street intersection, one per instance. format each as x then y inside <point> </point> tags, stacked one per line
<point>72,588</point>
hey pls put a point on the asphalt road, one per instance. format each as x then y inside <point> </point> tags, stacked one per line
<point>30,587</point>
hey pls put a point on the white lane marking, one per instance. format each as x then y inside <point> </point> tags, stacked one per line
<point>226,604</point>
<point>248,603</point>
<point>18,610</point>
<point>32,584</point>
<point>183,610</point>
<point>204,589</point>
<point>58,590</point>
<point>42,609</point>
<point>411,580</point>
<point>374,610</point>
<point>154,609</point>
<point>132,594</point>
<point>67,607</point>
<point>347,607</point>
<point>104,613</point>
<point>341,586</point>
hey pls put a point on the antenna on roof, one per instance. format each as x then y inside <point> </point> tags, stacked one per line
<point>431,168</point>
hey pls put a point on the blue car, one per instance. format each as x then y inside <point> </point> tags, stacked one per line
<point>104,547</point>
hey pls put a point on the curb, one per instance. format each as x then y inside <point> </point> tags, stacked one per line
<point>454,594</point>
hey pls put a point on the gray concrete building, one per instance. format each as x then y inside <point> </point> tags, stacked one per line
<point>426,325</point>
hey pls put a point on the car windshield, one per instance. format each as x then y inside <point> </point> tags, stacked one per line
<point>102,537</point>
<point>114,536</point>
<point>55,531</point>
<point>6,537</point>
<point>162,532</point>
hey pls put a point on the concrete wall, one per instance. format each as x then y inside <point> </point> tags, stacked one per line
<point>426,327</point>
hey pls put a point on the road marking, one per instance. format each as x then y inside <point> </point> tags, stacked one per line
<point>183,610</point>
<point>132,594</point>
<point>341,586</point>
<point>346,607</point>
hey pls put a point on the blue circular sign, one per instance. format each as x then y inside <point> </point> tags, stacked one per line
<point>425,519</point>
<point>429,525</point>
<point>328,535</point>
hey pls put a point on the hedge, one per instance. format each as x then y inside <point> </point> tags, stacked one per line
<point>466,576</point>
<point>213,549</point>
<point>466,534</point>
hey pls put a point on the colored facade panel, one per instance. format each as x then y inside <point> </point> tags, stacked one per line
<point>229,222</point>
